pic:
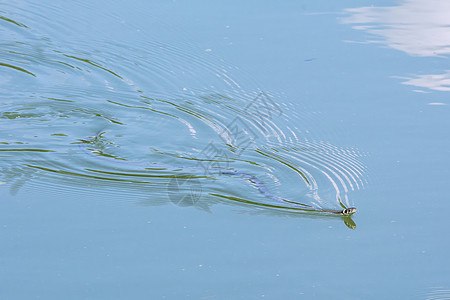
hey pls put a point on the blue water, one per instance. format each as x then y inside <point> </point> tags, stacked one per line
<point>194,150</point>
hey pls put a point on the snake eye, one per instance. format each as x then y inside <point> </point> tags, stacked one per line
<point>349,211</point>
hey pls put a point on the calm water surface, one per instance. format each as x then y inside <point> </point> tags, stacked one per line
<point>190,150</point>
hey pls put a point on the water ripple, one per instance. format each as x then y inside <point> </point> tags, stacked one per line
<point>91,115</point>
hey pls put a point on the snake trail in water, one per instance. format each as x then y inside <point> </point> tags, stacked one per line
<point>101,85</point>
<point>252,179</point>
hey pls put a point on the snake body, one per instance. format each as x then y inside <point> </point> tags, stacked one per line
<point>255,181</point>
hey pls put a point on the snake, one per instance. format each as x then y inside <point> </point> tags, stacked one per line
<point>254,180</point>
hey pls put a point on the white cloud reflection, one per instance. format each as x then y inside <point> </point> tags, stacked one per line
<point>440,82</point>
<point>417,27</point>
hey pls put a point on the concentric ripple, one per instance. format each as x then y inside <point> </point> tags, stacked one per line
<point>90,115</point>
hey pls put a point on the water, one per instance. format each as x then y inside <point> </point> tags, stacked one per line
<point>192,150</point>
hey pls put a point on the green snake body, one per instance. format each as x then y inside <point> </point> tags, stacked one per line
<point>232,172</point>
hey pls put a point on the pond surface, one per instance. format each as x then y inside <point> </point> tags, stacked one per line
<point>192,150</point>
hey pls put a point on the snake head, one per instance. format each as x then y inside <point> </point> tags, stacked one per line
<point>348,211</point>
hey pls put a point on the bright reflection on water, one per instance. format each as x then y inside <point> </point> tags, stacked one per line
<point>416,27</point>
<point>437,82</point>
